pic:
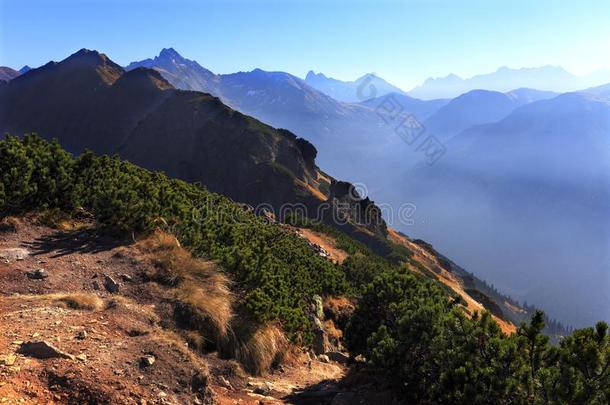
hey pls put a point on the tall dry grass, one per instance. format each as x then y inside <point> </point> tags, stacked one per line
<point>202,292</point>
<point>257,347</point>
<point>205,306</point>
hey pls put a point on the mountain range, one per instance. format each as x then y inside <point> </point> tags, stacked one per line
<point>529,196</point>
<point>515,161</point>
<point>360,142</point>
<point>89,102</point>
<point>549,78</point>
<point>364,88</point>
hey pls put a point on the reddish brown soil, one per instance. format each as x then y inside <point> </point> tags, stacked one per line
<point>328,243</point>
<point>135,322</point>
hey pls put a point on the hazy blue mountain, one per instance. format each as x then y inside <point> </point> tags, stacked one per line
<point>528,196</point>
<point>525,96</point>
<point>603,90</point>
<point>7,73</point>
<point>421,109</point>
<point>472,108</point>
<point>364,88</point>
<point>479,107</point>
<point>550,78</point>
<point>25,69</point>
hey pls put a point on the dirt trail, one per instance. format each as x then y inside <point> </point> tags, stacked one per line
<point>111,339</point>
<point>326,242</point>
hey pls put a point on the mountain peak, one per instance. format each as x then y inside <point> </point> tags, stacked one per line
<point>170,53</point>
<point>91,60</point>
<point>91,57</point>
<point>313,75</point>
<point>25,69</point>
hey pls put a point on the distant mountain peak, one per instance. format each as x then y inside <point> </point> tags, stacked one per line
<point>311,75</point>
<point>504,79</point>
<point>25,69</point>
<point>348,91</point>
<point>170,53</point>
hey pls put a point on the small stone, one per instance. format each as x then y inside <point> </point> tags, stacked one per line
<point>324,358</point>
<point>338,357</point>
<point>147,361</point>
<point>264,389</point>
<point>127,278</point>
<point>224,382</point>
<point>37,274</point>
<point>111,285</point>
<point>82,357</point>
<point>82,335</point>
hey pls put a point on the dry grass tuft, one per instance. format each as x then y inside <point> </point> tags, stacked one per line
<point>10,224</point>
<point>258,349</point>
<point>82,301</point>
<point>89,302</point>
<point>202,291</point>
<point>339,310</point>
<point>207,308</point>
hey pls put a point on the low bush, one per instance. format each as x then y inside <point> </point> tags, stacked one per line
<point>275,271</point>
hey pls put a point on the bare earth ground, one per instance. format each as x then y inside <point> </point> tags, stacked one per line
<point>326,242</point>
<point>133,323</point>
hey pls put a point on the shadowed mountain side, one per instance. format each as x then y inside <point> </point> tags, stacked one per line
<point>89,102</point>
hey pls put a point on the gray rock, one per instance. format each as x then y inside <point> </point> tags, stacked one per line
<point>224,382</point>
<point>319,307</point>
<point>338,357</point>
<point>147,361</point>
<point>111,285</point>
<point>127,278</point>
<point>320,340</point>
<point>82,335</point>
<point>324,358</point>
<point>264,389</point>
<point>43,350</point>
<point>37,274</point>
<point>14,254</point>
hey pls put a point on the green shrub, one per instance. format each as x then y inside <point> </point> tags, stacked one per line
<point>425,345</point>
<point>276,271</point>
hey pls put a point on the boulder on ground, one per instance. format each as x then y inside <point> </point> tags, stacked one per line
<point>13,254</point>
<point>111,284</point>
<point>147,361</point>
<point>37,274</point>
<point>338,357</point>
<point>42,350</point>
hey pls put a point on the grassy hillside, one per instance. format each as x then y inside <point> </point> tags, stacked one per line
<point>406,326</point>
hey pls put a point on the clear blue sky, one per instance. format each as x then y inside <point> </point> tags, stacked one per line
<point>402,41</point>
